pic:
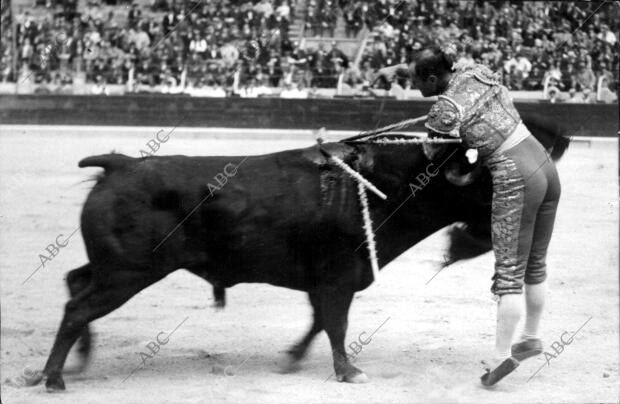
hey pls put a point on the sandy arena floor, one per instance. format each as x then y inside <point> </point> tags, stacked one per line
<point>428,349</point>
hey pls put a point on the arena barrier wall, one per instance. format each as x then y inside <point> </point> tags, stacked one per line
<point>263,113</point>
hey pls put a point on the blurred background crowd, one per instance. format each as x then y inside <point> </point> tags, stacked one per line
<point>570,44</point>
<point>568,50</point>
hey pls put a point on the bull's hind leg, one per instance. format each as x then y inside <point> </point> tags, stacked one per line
<point>299,350</point>
<point>335,303</point>
<point>77,281</point>
<point>100,298</point>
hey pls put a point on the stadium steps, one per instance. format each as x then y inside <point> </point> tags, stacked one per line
<point>296,29</point>
<point>339,31</point>
<point>350,46</point>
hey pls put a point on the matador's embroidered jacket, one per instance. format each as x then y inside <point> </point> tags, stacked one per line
<point>475,107</point>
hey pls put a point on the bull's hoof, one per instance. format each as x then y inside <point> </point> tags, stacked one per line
<point>54,382</point>
<point>353,376</point>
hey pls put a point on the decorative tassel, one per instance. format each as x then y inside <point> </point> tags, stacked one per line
<point>357,176</point>
<point>370,235</point>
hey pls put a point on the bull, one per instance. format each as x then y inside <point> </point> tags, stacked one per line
<point>289,219</point>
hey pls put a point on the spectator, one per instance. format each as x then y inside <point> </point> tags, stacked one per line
<point>353,20</point>
<point>263,86</point>
<point>352,77</point>
<point>294,91</point>
<point>534,81</point>
<point>230,55</point>
<point>198,44</point>
<point>367,73</point>
<point>284,11</point>
<point>318,57</point>
<point>141,40</point>
<point>336,56</point>
<point>554,95</point>
<point>519,68</point>
<point>298,57</point>
<point>169,21</point>
<point>144,73</point>
<point>312,21</point>
<point>368,15</point>
<point>327,18</point>
<point>584,78</point>
<point>249,90</point>
<point>573,97</point>
<point>288,70</point>
<point>386,30</point>
<point>587,96</point>
<point>212,52</point>
<point>378,53</point>
<point>264,7</point>
<point>606,35</point>
<point>273,69</point>
<point>604,94</point>
<point>604,73</point>
<point>134,15</point>
<point>100,88</point>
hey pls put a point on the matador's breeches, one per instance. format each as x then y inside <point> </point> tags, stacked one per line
<point>526,191</point>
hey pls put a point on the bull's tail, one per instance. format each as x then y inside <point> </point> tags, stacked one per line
<point>109,162</point>
<point>548,132</point>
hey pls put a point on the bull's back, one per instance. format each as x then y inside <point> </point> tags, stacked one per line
<point>249,216</point>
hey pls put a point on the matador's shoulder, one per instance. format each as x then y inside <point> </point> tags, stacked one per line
<point>444,117</point>
<point>473,74</point>
<point>486,75</point>
<point>470,82</point>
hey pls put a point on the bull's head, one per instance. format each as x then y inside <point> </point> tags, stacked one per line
<point>460,170</point>
<point>465,170</point>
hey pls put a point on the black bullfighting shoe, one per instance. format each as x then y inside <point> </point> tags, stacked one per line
<point>526,349</point>
<point>491,377</point>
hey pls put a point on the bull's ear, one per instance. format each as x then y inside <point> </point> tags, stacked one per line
<point>459,174</point>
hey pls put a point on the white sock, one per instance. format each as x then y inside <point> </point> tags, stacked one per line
<point>534,304</point>
<point>509,312</point>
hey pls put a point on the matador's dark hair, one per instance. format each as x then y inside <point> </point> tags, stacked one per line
<point>434,60</point>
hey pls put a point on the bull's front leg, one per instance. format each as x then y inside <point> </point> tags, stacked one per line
<point>335,303</point>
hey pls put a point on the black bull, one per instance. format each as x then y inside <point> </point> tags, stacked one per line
<point>290,219</point>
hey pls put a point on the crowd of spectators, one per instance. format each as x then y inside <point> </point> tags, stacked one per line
<point>6,54</point>
<point>321,18</point>
<point>569,45</point>
<point>192,43</point>
<point>244,46</point>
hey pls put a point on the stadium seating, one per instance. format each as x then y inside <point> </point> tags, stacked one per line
<point>236,46</point>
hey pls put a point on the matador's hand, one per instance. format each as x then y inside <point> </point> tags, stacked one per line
<point>390,72</point>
